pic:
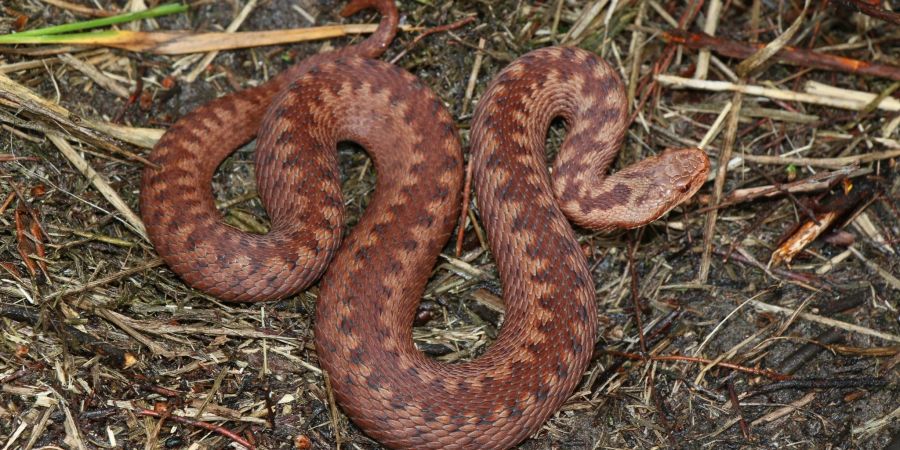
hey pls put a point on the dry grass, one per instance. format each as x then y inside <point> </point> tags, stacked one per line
<point>100,340</point>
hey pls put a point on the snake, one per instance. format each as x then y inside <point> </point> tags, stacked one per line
<point>371,281</point>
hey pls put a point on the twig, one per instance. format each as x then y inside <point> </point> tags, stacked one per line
<point>115,318</point>
<point>199,424</point>
<point>871,9</point>
<point>719,186</point>
<point>79,9</point>
<point>778,94</point>
<point>162,328</point>
<point>872,426</point>
<point>871,100</point>
<point>467,185</point>
<point>74,439</point>
<point>785,410</point>
<point>584,20</point>
<point>752,370</point>
<point>825,321</point>
<point>808,351</point>
<point>335,422</point>
<point>100,183</point>
<point>467,196</point>
<point>806,281</point>
<point>95,74</point>
<point>438,29</point>
<point>817,383</point>
<point>232,27</point>
<point>833,207</point>
<point>891,280</point>
<point>787,55</point>
<point>817,182</point>
<point>736,405</point>
<point>711,22</point>
<point>473,77</point>
<point>50,117</point>
<point>114,356</point>
<point>635,296</point>
<point>108,279</point>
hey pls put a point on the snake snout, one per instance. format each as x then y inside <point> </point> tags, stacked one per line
<point>687,169</point>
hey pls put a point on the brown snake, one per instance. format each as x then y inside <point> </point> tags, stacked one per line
<point>370,290</point>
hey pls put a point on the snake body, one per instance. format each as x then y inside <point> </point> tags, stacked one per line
<point>370,290</point>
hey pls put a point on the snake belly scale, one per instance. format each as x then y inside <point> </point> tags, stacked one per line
<point>374,279</point>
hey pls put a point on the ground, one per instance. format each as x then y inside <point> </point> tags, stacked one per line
<point>99,336</point>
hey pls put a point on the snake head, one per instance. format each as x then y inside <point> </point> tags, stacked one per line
<point>641,192</point>
<point>684,170</point>
<point>667,180</point>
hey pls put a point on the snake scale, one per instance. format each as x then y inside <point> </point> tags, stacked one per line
<point>372,285</point>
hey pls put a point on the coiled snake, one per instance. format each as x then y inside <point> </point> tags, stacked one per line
<point>371,287</point>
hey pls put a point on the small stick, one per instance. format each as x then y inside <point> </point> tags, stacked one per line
<point>787,55</point>
<point>814,183</point>
<point>438,29</point>
<point>155,348</point>
<point>817,88</point>
<point>79,9</point>
<point>790,195</point>
<point>100,183</point>
<point>95,74</point>
<point>764,372</point>
<point>787,409</point>
<point>711,22</point>
<point>153,263</point>
<point>200,424</point>
<point>777,94</point>
<point>806,281</point>
<point>50,117</point>
<point>824,320</point>
<point>467,186</point>
<point>888,277</point>
<point>467,191</point>
<point>473,77</point>
<point>871,9</point>
<point>114,356</point>
<point>829,163</point>
<point>817,383</point>
<point>719,186</point>
<point>232,27</point>
<point>736,404</point>
<point>635,296</point>
<point>334,412</point>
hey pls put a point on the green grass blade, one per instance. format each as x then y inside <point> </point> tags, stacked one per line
<point>170,8</point>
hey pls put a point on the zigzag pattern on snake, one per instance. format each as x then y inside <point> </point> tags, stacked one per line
<point>372,286</point>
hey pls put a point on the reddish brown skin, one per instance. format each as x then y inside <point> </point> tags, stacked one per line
<point>178,207</point>
<point>370,290</point>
